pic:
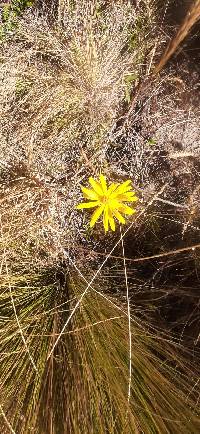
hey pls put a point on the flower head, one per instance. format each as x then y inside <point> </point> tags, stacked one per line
<point>109,201</point>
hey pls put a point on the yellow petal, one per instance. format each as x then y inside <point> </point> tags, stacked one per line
<point>112,223</point>
<point>96,186</point>
<point>126,184</point>
<point>89,194</point>
<point>133,199</point>
<point>103,183</point>
<point>114,204</point>
<point>112,188</point>
<point>127,197</point>
<point>119,216</point>
<point>111,219</point>
<point>124,187</point>
<point>126,209</point>
<point>105,218</point>
<point>96,214</point>
<point>87,205</point>
<point>120,191</point>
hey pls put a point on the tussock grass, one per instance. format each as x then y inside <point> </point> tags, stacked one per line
<point>83,386</point>
<point>73,359</point>
<point>63,86</point>
<point>33,218</point>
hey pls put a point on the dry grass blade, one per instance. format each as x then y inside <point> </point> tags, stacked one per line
<point>6,421</point>
<point>190,20</point>
<point>78,389</point>
<point>129,317</point>
<point>88,340</point>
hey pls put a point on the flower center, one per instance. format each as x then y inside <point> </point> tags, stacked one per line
<point>104,199</point>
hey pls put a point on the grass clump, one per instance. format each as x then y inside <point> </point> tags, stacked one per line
<point>83,385</point>
<point>98,333</point>
<point>77,72</point>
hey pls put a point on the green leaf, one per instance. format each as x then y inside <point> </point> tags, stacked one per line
<point>152,141</point>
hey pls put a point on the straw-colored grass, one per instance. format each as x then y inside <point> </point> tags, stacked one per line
<point>191,18</point>
<point>83,317</point>
<point>83,387</point>
<point>62,87</point>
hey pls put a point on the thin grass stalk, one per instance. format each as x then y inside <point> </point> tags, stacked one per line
<point>192,16</point>
<point>83,387</point>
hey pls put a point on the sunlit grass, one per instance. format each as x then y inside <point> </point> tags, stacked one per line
<point>83,340</point>
<point>84,384</point>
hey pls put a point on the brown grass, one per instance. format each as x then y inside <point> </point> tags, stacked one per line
<point>190,20</point>
<point>63,305</point>
<point>62,88</point>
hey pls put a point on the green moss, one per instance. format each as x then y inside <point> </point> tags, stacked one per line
<point>22,87</point>
<point>10,13</point>
<point>129,80</point>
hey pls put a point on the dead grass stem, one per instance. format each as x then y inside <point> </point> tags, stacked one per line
<point>190,20</point>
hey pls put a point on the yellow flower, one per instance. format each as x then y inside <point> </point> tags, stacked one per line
<point>108,201</point>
